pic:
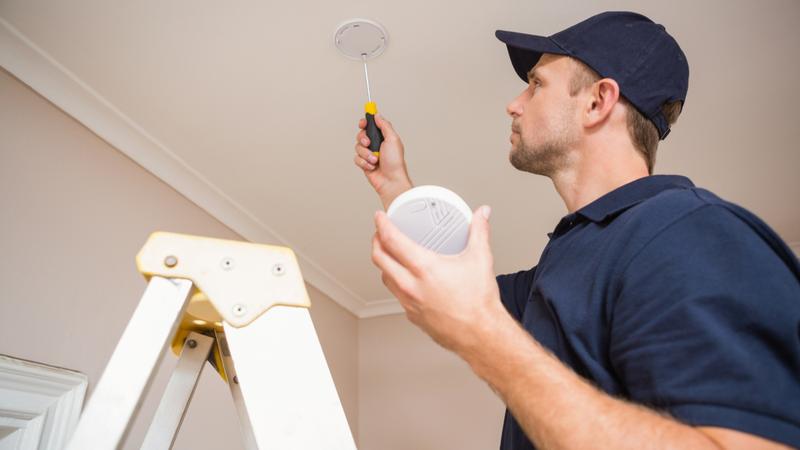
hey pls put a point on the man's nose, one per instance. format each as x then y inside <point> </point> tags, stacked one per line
<point>514,108</point>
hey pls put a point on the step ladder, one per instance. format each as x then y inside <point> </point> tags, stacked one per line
<point>242,307</point>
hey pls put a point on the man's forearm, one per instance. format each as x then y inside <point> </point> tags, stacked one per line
<point>558,409</point>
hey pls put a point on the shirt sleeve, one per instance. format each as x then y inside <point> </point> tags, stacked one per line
<point>515,288</point>
<point>707,327</point>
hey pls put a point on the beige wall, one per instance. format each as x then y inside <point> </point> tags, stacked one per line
<point>414,395</point>
<point>74,212</point>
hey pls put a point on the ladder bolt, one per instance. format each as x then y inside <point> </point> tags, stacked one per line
<point>226,263</point>
<point>171,261</point>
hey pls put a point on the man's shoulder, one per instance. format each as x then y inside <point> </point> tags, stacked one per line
<point>692,217</point>
<point>686,211</point>
<point>673,205</point>
<point>695,221</point>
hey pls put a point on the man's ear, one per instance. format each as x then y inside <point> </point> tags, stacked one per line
<point>603,97</point>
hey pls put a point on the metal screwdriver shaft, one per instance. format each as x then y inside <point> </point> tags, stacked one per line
<point>366,76</point>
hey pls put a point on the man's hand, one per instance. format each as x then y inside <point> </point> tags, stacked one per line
<point>451,297</point>
<point>389,176</point>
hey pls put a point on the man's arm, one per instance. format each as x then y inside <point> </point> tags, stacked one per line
<point>560,410</point>
<point>455,300</point>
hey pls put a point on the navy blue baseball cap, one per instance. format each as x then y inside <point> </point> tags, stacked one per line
<point>636,52</point>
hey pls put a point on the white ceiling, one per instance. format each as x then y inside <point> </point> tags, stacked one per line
<point>251,112</point>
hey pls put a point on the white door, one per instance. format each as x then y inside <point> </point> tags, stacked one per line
<point>39,404</point>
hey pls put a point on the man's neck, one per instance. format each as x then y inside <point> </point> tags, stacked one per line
<point>596,173</point>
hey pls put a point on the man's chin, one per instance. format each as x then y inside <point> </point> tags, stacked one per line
<point>512,155</point>
<point>516,160</point>
<point>527,163</point>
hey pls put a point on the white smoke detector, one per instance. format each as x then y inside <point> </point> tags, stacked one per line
<point>434,217</point>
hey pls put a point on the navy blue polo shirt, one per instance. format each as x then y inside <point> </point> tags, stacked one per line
<point>663,294</point>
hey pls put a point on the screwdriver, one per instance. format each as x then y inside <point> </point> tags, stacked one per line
<point>370,108</point>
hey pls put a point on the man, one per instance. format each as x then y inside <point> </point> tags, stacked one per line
<point>659,316</point>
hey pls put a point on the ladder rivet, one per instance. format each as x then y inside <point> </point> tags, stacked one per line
<point>236,379</point>
<point>191,343</point>
<point>278,269</point>
<point>239,310</point>
<point>170,261</point>
<point>226,263</point>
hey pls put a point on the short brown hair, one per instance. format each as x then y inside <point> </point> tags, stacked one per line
<point>644,133</point>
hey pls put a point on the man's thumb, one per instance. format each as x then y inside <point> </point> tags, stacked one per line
<point>385,126</point>
<point>479,228</point>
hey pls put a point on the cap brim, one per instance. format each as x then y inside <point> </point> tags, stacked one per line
<point>526,49</point>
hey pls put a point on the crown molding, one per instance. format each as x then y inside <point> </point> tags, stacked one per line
<point>42,73</point>
<point>383,307</point>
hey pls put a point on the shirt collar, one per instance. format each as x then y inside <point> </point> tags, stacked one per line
<point>630,194</point>
<point>620,199</point>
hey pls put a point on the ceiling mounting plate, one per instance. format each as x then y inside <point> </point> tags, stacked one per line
<point>359,38</point>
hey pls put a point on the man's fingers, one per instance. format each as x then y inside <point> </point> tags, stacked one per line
<point>362,138</point>
<point>364,158</point>
<point>399,246</point>
<point>362,123</point>
<point>403,296</point>
<point>392,270</point>
<point>366,154</point>
<point>363,164</point>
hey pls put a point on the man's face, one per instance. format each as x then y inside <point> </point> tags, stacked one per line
<point>545,120</point>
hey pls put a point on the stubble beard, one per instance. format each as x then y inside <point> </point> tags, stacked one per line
<point>548,156</point>
<point>543,159</point>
